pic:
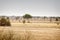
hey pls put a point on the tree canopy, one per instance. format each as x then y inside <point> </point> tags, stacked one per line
<point>27,16</point>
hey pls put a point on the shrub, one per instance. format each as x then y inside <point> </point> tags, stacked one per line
<point>8,23</point>
<point>57,21</point>
<point>23,21</point>
<point>4,22</point>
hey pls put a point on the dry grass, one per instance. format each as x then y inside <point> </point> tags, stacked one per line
<point>40,34</point>
<point>30,31</point>
<point>36,25</point>
<point>11,35</point>
<point>6,35</point>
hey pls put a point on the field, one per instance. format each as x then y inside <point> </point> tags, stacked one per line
<point>31,31</point>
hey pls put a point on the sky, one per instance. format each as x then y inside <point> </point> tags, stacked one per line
<point>32,7</point>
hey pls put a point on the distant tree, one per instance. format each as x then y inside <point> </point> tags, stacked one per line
<point>27,16</point>
<point>57,21</point>
<point>50,19</point>
<point>17,18</point>
<point>8,22</point>
<point>45,18</point>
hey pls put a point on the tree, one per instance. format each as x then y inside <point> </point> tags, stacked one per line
<point>8,22</point>
<point>17,18</point>
<point>50,19</point>
<point>57,21</point>
<point>45,18</point>
<point>27,16</point>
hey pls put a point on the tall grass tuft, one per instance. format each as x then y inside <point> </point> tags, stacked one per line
<point>10,35</point>
<point>6,35</point>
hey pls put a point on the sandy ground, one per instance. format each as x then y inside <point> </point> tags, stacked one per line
<point>35,31</point>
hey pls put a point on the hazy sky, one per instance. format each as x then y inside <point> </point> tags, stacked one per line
<point>33,7</point>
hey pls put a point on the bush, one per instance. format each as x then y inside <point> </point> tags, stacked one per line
<point>57,21</point>
<point>4,22</point>
<point>8,23</point>
<point>23,21</point>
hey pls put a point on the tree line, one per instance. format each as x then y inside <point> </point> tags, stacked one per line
<point>6,21</point>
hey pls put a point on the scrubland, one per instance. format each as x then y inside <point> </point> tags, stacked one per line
<point>30,31</point>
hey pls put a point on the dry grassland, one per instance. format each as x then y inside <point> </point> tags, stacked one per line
<point>30,31</point>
